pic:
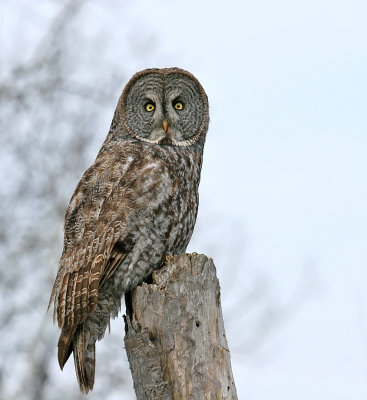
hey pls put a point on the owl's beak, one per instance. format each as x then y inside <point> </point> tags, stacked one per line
<point>165,125</point>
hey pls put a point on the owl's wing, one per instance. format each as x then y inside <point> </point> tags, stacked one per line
<point>114,194</point>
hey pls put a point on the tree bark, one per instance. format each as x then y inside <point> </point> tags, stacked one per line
<point>175,339</point>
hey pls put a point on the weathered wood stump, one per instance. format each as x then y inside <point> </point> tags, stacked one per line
<point>175,339</point>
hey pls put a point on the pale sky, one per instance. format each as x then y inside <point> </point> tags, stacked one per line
<point>285,165</point>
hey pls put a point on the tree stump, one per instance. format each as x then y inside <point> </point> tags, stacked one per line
<point>175,339</point>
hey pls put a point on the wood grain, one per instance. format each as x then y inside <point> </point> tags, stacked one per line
<point>175,338</point>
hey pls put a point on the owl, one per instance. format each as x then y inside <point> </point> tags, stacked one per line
<point>135,205</point>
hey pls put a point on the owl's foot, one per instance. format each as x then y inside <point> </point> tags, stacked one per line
<point>169,258</point>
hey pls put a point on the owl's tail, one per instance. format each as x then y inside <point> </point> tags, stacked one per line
<point>84,350</point>
<point>79,341</point>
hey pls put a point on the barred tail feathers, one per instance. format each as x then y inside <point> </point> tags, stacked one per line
<point>84,351</point>
<point>79,342</point>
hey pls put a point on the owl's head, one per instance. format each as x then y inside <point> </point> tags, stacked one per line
<point>165,106</point>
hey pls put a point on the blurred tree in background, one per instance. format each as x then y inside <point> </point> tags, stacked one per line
<point>56,105</point>
<point>53,107</point>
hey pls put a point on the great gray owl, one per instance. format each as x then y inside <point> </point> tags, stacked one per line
<point>134,206</point>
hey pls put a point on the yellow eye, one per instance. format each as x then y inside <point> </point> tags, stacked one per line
<point>149,107</point>
<point>178,106</point>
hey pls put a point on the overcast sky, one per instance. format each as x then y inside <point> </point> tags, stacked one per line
<point>285,166</point>
<point>286,158</point>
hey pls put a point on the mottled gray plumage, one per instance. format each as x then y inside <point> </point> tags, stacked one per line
<point>134,206</point>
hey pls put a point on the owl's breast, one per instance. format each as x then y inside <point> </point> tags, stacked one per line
<point>166,197</point>
<point>182,205</point>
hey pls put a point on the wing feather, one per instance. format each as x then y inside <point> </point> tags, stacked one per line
<point>104,210</point>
